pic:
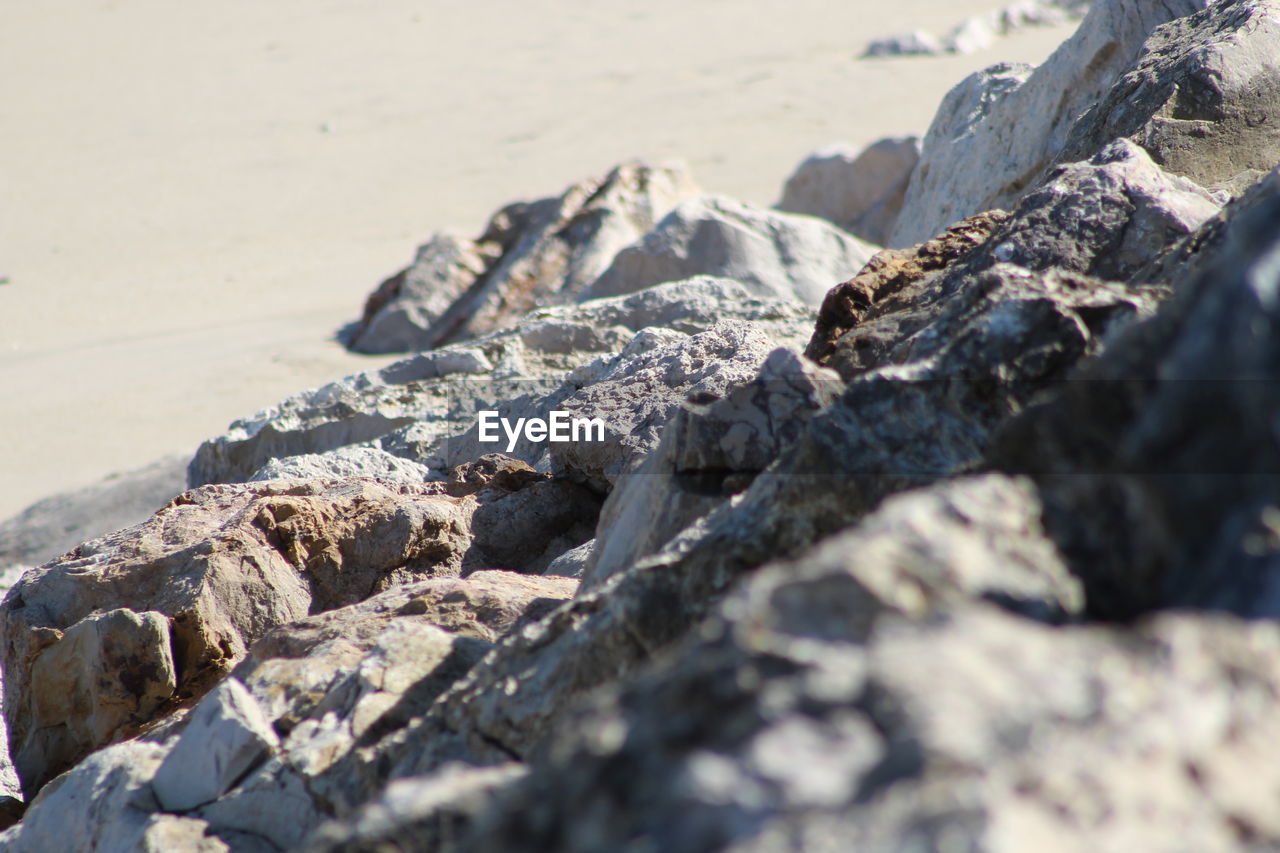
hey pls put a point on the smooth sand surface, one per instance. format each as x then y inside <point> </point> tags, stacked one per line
<point>196,196</point>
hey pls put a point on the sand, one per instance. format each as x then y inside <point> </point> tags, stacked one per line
<point>197,196</point>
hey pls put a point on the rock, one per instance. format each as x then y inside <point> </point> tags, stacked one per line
<point>572,563</point>
<point>996,132</point>
<point>411,407</point>
<point>914,43</point>
<point>775,255</point>
<point>1203,100</point>
<point>1108,217</point>
<point>104,804</point>
<point>541,253</point>
<point>226,737</point>
<point>1173,428</point>
<point>891,278</point>
<point>633,395</point>
<point>708,452</point>
<point>426,813</point>
<point>979,32</point>
<point>196,585</point>
<point>57,524</point>
<point>343,462</point>
<point>862,192</point>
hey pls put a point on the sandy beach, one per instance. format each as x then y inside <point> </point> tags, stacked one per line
<point>199,197</point>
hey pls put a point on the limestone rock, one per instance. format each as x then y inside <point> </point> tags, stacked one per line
<point>225,738</point>
<point>1204,99</point>
<point>203,579</point>
<point>343,462</point>
<point>1173,426</point>
<point>540,253</point>
<point>411,407</point>
<point>996,132</point>
<point>57,524</point>
<point>1107,217</point>
<point>775,255</point>
<point>708,452</point>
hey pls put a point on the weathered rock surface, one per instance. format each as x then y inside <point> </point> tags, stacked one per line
<point>1160,469</point>
<point>97,642</point>
<point>1204,99</point>
<point>981,31</point>
<point>775,255</point>
<point>860,191</point>
<point>708,452</point>
<point>996,132</point>
<point>343,462</point>
<point>410,407</point>
<point>57,524</point>
<point>540,253</point>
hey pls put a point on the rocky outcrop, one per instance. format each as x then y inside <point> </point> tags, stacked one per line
<point>97,643</point>
<point>774,255</point>
<point>1168,443</point>
<point>996,132</point>
<point>1204,99</point>
<point>860,191</point>
<point>531,254</point>
<point>412,406</point>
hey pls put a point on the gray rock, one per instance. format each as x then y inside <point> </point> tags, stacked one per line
<point>981,31</point>
<point>572,563</point>
<point>775,255</point>
<point>226,737</point>
<point>1204,99</point>
<point>351,461</point>
<point>541,253</point>
<point>57,524</point>
<point>1107,217</point>
<point>708,452</point>
<point>87,639</point>
<point>1159,469</point>
<point>914,43</point>
<point>412,406</point>
<point>862,192</point>
<point>1000,129</point>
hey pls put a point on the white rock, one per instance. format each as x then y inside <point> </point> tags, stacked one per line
<point>353,461</point>
<point>990,157</point>
<point>778,255</point>
<point>226,737</point>
<point>914,43</point>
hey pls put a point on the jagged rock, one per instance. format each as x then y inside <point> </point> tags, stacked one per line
<point>708,452</point>
<point>862,192</point>
<point>633,395</point>
<point>540,253</point>
<point>893,278</point>
<point>1108,217</point>
<point>225,738</point>
<point>1204,99</point>
<point>1159,469</point>
<point>429,813</point>
<point>322,683</point>
<point>996,132</point>
<point>791,724</point>
<point>775,255</point>
<point>57,524</point>
<point>412,406</point>
<point>342,462</point>
<point>195,585</point>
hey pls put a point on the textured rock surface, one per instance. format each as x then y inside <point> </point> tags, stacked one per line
<point>708,452</point>
<point>861,191</point>
<point>540,253</point>
<point>1174,430</point>
<point>57,524</point>
<point>152,614</point>
<point>342,462</point>
<point>979,32</point>
<point>1204,99</point>
<point>996,132</point>
<point>411,406</point>
<point>775,255</point>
